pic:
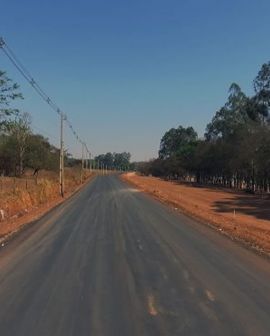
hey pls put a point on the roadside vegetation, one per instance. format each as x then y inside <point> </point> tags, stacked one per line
<point>20,147</point>
<point>114,161</point>
<point>29,165</point>
<point>235,150</point>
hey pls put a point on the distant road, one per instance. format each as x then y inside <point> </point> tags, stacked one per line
<point>113,261</point>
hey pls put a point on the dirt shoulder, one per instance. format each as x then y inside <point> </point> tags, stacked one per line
<point>24,206</point>
<point>243,217</point>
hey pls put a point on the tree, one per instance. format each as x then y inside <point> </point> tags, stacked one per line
<point>236,149</point>
<point>19,129</point>
<point>8,160</point>
<point>262,89</point>
<point>114,160</point>
<point>40,154</point>
<point>108,160</point>
<point>175,140</point>
<point>8,93</point>
<point>122,160</point>
<point>230,116</point>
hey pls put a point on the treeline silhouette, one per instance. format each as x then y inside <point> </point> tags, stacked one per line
<point>20,147</point>
<point>111,161</point>
<point>235,150</point>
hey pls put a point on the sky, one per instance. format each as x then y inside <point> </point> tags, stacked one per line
<point>126,71</point>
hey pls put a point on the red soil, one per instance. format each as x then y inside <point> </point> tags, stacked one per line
<point>21,206</point>
<point>241,216</point>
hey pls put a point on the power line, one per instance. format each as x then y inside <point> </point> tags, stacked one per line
<point>63,118</point>
<point>29,78</point>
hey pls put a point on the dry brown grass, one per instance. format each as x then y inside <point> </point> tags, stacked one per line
<point>19,204</point>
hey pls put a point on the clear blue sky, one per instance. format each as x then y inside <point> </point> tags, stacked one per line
<point>127,71</point>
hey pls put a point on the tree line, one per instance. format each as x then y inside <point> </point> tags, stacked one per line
<point>20,147</point>
<point>235,149</point>
<point>113,161</point>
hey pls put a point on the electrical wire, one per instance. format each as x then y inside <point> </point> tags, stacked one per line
<point>29,78</point>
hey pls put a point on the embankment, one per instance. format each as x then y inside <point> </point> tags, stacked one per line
<point>20,205</point>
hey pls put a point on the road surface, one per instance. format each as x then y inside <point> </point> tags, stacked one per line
<point>113,261</point>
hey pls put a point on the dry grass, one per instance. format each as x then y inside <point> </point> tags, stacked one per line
<point>19,204</point>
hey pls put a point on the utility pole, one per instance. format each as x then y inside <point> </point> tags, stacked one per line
<point>85,157</point>
<point>90,164</point>
<point>82,162</point>
<point>61,158</point>
<point>85,160</point>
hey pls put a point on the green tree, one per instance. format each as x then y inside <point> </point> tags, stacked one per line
<point>175,140</point>
<point>108,160</point>
<point>114,160</point>
<point>8,93</point>
<point>236,149</point>
<point>262,89</point>
<point>19,130</point>
<point>8,161</point>
<point>122,160</point>
<point>40,154</point>
<point>230,116</point>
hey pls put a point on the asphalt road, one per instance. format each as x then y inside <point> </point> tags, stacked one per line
<point>113,261</point>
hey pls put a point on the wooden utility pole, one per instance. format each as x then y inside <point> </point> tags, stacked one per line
<point>61,158</point>
<point>85,157</point>
<point>82,162</point>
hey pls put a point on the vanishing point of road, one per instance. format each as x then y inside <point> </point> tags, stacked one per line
<point>113,261</point>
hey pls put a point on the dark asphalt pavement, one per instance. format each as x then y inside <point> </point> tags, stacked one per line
<point>113,261</point>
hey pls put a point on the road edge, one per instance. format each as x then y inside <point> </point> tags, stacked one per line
<point>4,240</point>
<point>246,244</point>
